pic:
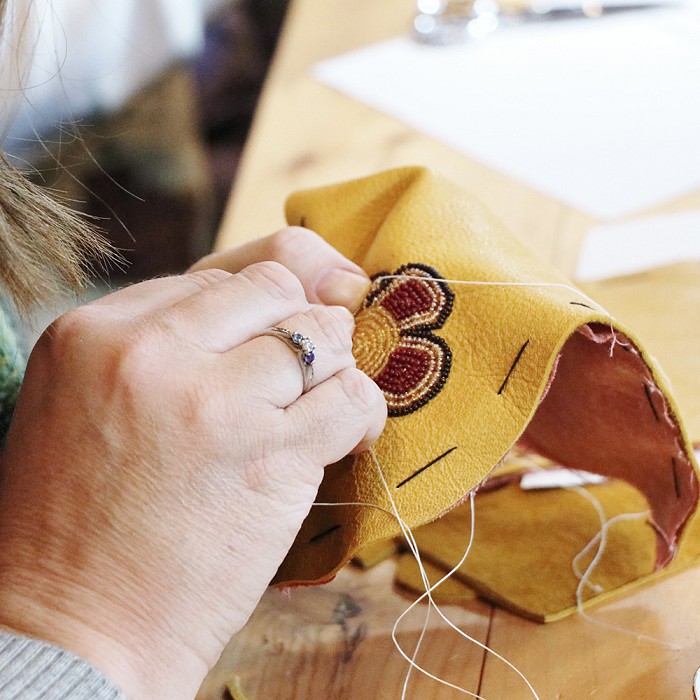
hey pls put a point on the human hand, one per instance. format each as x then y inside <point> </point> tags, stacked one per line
<point>327,276</point>
<point>160,463</point>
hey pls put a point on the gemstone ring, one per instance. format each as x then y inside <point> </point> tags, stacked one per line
<point>302,346</point>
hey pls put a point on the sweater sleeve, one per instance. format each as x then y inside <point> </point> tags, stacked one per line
<point>31,669</point>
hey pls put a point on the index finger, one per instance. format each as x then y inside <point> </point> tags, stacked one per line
<point>327,276</point>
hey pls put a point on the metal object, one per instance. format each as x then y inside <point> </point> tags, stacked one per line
<point>454,21</point>
<point>302,346</point>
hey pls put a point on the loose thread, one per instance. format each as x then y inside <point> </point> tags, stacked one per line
<point>584,579</point>
<point>615,341</point>
<point>412,544</point>
<point>410,540</point>
<point>600,538</point>
<point>428,592</point>
<point>484,283</point>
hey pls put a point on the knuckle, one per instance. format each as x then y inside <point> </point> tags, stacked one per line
<point>290,241</point>
<point>133,366</point>
<point>337,325</point>
<point>360,390</point>
<point>206,278</point>
<point>119,357</point>
<point>63,327</point>
<point>65,333</point>
<point>275,280</point>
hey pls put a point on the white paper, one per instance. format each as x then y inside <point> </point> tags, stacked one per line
<point>611,250</point>
<point>603,114</point>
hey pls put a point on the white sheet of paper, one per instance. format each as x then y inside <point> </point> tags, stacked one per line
<point>610,250</point>
<point>601,114</point>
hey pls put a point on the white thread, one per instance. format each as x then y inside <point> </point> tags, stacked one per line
<point>603,518</point>
<point>413,545</point>
<point>411,542</point>
<point>584,581</point>
<point>615,341</point>
<point>584,577</point>
<point>428,592</point>
<point>483,283</point>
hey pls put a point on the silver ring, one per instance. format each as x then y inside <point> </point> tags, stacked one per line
<point>302,346</point>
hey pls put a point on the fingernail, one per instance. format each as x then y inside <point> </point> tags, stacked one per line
<point>339,287</point>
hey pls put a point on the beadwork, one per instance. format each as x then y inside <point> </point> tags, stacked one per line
<point>393,342</point>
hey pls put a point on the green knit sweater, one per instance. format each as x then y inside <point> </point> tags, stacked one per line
<point>11,372</point>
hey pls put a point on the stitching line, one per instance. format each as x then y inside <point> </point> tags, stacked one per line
<point>324,533</point>
<point>422,469</point>
<point>512,367</point>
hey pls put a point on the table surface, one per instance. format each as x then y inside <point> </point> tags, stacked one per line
<point>299,646</point>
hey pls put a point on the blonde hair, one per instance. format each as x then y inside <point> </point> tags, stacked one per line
<point>45,247</point>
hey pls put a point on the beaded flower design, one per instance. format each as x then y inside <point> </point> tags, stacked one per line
<point>393,341</point>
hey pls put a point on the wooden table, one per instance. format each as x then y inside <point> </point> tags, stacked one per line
<point>308,645</point>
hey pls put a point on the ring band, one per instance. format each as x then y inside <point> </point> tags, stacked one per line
<point>302,346</point>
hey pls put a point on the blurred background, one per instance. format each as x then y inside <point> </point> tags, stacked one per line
<point>137,112</point>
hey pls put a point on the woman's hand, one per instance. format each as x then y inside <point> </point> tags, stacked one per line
<point>163,457</point>
<point>327,276</point>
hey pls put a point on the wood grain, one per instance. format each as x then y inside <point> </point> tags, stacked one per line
<point>335,641</point>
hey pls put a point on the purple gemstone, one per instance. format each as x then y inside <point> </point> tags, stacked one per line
<point>309,358</point>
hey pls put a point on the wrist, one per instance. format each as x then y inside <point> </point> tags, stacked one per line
<point>34,668</point>
<point>138,658</point>
<point>23,615</point>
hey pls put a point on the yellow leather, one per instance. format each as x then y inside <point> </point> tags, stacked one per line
<point>526,541</point>
<point>375,553</point>
<point>607,407</point>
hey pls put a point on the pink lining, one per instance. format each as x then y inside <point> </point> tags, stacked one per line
<point>604,413</point>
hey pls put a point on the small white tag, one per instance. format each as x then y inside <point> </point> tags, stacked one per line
<point>558,479</point>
